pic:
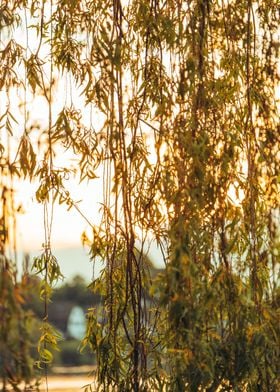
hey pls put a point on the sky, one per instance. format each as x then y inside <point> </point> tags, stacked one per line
<point>67,225</point>
<point>67,228</point>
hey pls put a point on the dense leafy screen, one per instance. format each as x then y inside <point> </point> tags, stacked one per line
<point>174,104</point>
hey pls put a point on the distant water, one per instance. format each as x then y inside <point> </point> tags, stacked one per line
<point>72,261</point>
<point>76,261</point>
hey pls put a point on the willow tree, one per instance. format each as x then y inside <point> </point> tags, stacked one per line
<point>175,103</point>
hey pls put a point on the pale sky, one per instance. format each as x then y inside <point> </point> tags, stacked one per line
<point>67,225</point>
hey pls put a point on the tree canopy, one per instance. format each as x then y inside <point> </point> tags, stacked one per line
<point>175,104</point>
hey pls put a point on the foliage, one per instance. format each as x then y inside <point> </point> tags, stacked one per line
<point>75,291</point>
<point>178,110</point>
<point>18,332</point>
<point>70,355</point>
